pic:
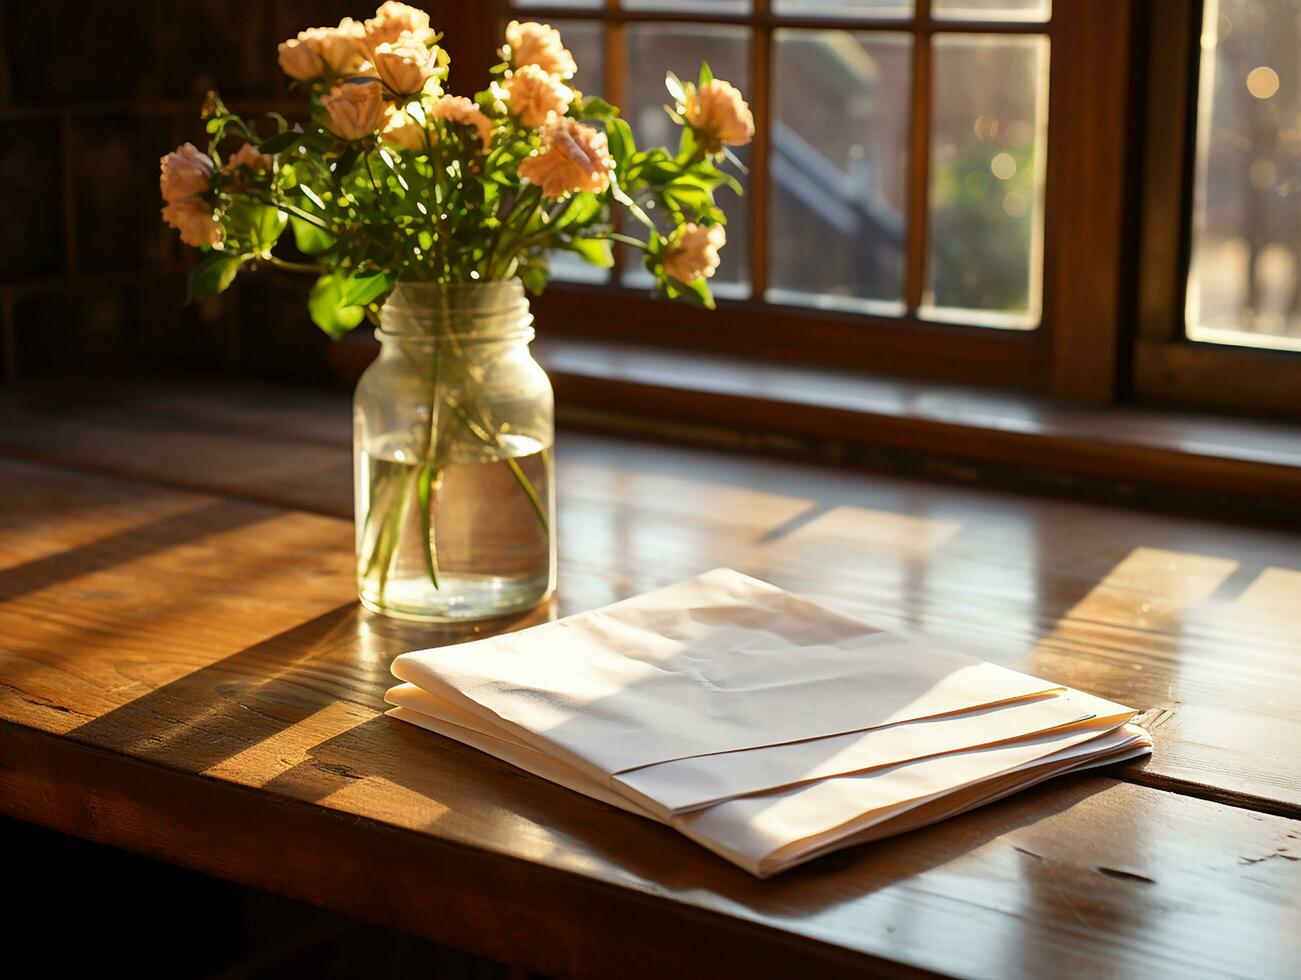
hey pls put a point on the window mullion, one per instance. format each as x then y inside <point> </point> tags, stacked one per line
<point>919,155</point>
<point>615,80</point>
<point>761,105</point>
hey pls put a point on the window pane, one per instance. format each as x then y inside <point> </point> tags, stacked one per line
<point>839,169</point>
<point>844,8</point>
<point>990,9</point>
<point>583,4</point>
<point>691,6</point>
<point>985,233</point>
<point>1245,281</point>
<point>654,49</point>
<point>586,40</point>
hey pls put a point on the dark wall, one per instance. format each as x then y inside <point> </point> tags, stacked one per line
<point>92,93</point>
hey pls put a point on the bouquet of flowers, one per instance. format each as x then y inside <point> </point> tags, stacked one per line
<point>392,178</point>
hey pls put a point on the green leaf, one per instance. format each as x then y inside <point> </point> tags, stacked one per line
<point>687,145</point>
<point>310,239</point>
<point>622,145</point>
<point>364,287</point>
<point>258,225</point>
<point>317,139</point>
<point>583,208</point>
<point>329,310</point>
<point>534,278</point>
<point>688,195</point>
<point>212,274</point>
<point>597,108</point>
<point>697,293</point>
<point>595,251</point>
<point>706,76</point>
<point>280,142</point>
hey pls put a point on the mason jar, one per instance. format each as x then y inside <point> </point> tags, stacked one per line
<point>453,427</point>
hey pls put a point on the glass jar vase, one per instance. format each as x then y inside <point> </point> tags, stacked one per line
<point>452,433</point>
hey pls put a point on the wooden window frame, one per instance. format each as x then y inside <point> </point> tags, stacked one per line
<point>1168,367</point>
<point>1076,350</point>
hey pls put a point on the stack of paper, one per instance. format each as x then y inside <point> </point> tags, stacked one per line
<point>765,726</point>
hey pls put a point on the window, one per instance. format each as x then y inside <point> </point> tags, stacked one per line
<point>1244,283</point>
<point>1220,286</point>
<point>1083,199</point>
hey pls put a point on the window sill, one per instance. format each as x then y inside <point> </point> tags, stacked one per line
<point>1138,455</point>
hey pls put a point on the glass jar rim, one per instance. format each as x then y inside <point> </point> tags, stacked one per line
<point>458,311</point>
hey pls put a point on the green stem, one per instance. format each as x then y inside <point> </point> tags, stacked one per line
<point>526,204</point>
<point>625,239</point>
<point>289,209</point>
<point>426,486</point>
<point>530,492</point>
<point>386,546</point>
<point>280,263</point>
<point>490,437</point>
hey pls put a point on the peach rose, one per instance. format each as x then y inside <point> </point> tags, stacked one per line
<point>248,156</point>
<point>355,110</point>
<point>300,60</point>
<point>719,116</point>
<point>573,158</point>
<point>404,65</point>
<point>405,133</point>
<point>185,172</point>
<point>195,221</point>
<point>532,95</point>
<point>340,48</point>
<point>461,111</point>
<point>392,20</point>
<point>693,252</point>
<point>539,44</point>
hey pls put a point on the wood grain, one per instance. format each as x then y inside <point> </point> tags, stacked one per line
<point>1160,612</point>
<point>187,675</point>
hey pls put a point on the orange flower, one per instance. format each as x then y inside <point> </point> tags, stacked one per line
<point>195,221</point>
<point>248,156</point>
<point>339,48</point>
<point>573,158</point>
<point>300,60</point>
<point>404,132</point>
<point>460,111</point>
<point>533,95</point>
<point>719,116</point>
<point>355,110</point>
<point>185,172</point>
<point>539,44</point>
<point>693,252</point>
<point>394,19</point>
<point>404,65</point>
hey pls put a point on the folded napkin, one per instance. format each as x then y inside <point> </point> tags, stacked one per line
<point>763,725</point>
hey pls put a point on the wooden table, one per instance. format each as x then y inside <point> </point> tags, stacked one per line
<point>184,673</point>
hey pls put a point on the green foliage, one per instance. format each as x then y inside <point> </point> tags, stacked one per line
<point>254,228</point>
<point>338,300</point>
<point>442,207</point>
<point>597,251</point>
<point>981,228</point>
<point>309,237</point>
<point>211,275</point>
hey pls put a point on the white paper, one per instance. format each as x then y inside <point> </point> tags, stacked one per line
<point>761,725</point>
<point>687,784</point>
<point>770,832</point>
<point>767,832</point>
<point>717,663</point>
